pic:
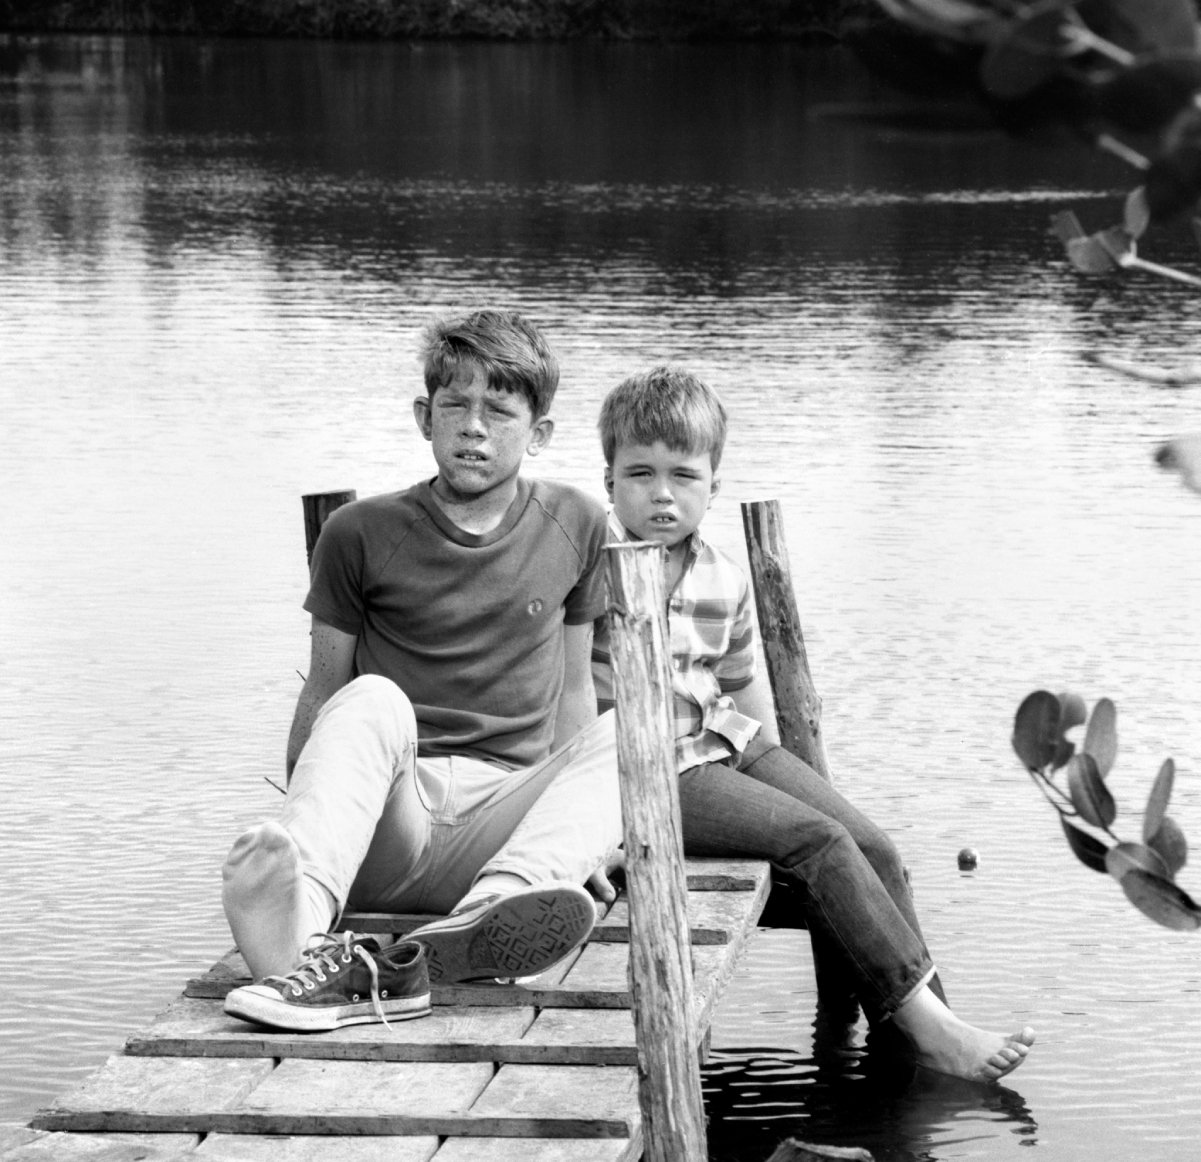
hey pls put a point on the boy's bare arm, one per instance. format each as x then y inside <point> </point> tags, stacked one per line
<point>755,701</point>
<point>577,701</point>
<point>330,665</point>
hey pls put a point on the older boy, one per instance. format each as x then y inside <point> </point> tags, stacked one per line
<point>663,433</point>
<point>445,753</point>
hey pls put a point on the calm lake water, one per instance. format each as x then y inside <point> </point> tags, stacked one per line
<point>214,262</point>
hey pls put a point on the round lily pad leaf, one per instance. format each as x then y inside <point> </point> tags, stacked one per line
<point>1072,711</point>
<point>1157,803</point>
<point>1169,842</point>
<point>1101,735</point>
<point>1089,850</point>
<point>1162,900</point>
<point>1124,858</point>
<point>1090,795</point>
<point>1036,729</point>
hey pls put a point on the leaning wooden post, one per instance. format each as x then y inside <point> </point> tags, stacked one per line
<point>317,506</point>
<point>669,1084</point>
<point>798,706</point>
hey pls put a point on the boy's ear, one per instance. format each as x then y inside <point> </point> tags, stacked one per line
<point>540,435</point>
<point>421,413</point>
<point>715,487</point>
<point>609,482</point>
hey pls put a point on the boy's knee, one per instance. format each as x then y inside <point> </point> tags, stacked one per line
<point>881,853</point>
<point>821,840</point>
<point>377,701</point>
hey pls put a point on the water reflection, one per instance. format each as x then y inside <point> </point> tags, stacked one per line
<point>855,1095</point>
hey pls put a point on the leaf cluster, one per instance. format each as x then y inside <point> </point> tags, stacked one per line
<point>1145,870</point>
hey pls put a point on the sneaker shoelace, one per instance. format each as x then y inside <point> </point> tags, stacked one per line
<point>325,959</point>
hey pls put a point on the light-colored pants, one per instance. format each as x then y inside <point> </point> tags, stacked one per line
<point>384,830</point>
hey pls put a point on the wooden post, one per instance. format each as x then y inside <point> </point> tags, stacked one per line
<point>317,506</point>
<point>669,1084</point>
<point>798,706</point>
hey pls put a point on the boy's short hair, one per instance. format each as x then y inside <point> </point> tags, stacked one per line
<point>665,404</point>
<point>509,350</point>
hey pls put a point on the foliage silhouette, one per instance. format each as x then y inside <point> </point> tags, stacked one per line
<point>1123,75</point>
<point>1145,870</point>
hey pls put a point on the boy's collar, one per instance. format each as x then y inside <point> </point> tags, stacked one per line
<point>695,541</point>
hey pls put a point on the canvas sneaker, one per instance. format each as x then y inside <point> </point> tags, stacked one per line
<point>519,934</point>
<point>343,980</point>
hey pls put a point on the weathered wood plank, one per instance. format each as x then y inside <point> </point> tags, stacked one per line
<point>798,704</point>
<point>713,918</point>
<point>314,1148</point>
<point>580,1037</point>
<point>150,1094</point>
<point>540,1150</point>
<point>207,1095</point>
<point>13,1136</point>
<point>600,978</point>
<point>359,1097</point>
<point>562,1101</point>
<point>43,1146</point>
<point>723,875</point>
<point>198,1028</point>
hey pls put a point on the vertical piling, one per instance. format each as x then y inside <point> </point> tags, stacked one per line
<point>798,706</point>
<point>317,506</point>
<point>669,1086</point>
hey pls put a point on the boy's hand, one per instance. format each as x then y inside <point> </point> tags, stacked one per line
<point>599,882</point>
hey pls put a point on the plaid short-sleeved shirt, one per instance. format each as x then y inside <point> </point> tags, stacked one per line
<point>712,635</point>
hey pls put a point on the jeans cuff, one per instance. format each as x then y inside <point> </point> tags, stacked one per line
<point>926,978</point>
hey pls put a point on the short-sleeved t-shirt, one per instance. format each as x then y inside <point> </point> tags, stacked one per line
<point>468,626</point>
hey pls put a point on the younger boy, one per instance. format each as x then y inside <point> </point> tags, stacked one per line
<point>663,433</point>
<point>445,754</point>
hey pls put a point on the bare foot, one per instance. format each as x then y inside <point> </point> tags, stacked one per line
<point>946,1044</point>
<point>264,896</point>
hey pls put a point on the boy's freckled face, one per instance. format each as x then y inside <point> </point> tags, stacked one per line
<point>660,493</point>
<point>480,435</point>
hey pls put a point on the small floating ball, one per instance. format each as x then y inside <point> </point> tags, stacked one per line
<point>968,859</point>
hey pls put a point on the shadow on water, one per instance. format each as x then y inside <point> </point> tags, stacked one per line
<point>853,1090</point>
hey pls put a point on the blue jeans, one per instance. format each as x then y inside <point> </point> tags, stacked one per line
<point>857,902</point>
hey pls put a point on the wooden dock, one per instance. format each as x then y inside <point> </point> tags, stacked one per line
<point>544,1071</point>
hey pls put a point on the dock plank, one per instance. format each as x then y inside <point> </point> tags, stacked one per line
<point>540,1150</point>
<point>552,1099</point>
<point>190,1027</point>
<point>579,1037</point>
<point>315,1148</point>
<point>143,1094</point>
<point>51,1146</point>
<point>364,1097</point>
